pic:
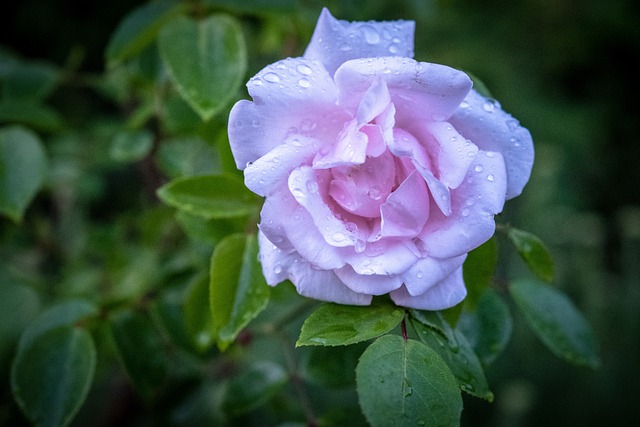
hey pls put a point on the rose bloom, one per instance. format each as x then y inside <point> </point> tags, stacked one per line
<point>380,172</point>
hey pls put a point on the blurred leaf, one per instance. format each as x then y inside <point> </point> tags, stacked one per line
<point>65,313</point>
<point>167,312</point>
<point>140,350</point>
<point>253,387</point>
<point>206,60</point>
<point>209,196</point>
<point>335,324</point>
<point>556,321</point>
<point>435,321</point>
<point>478,271</point>
<point>19,304</point>
<point>30,114</point>
<point>187,156</point>
<point>488,327</point>
<point>178,118</point>
<point>23,167</point>
<point>130,146</point>
<point>255,6</point>
<point>479,86</point>
<point>405,383</point>
<point>210,231</point>
<point>238,291</point>
<point>139,29</point>
<point>51,376</point>
<point>29,81</point>
<point>197,314</point>
<point>459,355</point>
<point>332,366</point>
<point>534,253</point>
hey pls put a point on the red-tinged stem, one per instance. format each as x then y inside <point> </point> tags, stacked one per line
<point>403,325</point>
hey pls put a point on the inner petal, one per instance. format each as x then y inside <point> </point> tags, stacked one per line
<point>406,210</point>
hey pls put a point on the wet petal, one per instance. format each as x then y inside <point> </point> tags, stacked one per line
<point>474,204</point>
<point>428,272</point>
<point>324,285</point>
<point>449,292</point>
<point>336,41</point>
<point>288,96</point>
<point>385,257</point>
<point>490,128</point>
<point>406,210</point>
<point>373,284</point>
<point>350,149</point>
<point>275,262</point>
<point>420,91</point>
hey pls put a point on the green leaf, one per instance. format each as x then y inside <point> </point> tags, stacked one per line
<point>206,60</point>
<point>406,383</point>
<point>19,305</point>
<point>253,387</point>
<point>534,253</point>
<point>130,146</point>
<point>197,314</point>
<point>210,196</point>
<point>187,156</point>
<point>479,86</point>
<point>335,324</point>
<point>459,355</point>
<point>556,321</point>
<point>139,29</point>
<point>478,271</point>
<point>455,350</point>
<point>52,375</point>
<point>31,81</point>
<point>30,114</point>
<point>23,166</point>
<point>67,313</point>
<point>140,350</point>
<point>238,291</point>
<point>488,328</point>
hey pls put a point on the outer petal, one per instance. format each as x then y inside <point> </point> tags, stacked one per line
<point>336,41</point>
<point>428,272</point>
<point>385,257</point>
<point>289,96</point>
<point>490,128</point>
<point>275,262</point>
<point>474,204</point>
<point>420,91</point>
<point>323,285</point>
<point>449,292</point>
<point>373,284</point>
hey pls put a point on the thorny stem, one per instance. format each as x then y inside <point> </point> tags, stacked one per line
<point>403,325</point>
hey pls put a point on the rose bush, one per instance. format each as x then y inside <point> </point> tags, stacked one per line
<point>380,172</point>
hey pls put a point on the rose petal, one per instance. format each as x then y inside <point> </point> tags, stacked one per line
<point>336,41</point>
<point>385,257</point>
<point>420,91</point>
<point>490,128</point>
<point>323,285</point>
<point>406,145</point>
<point>474,203</point>
<point>275,262</point>
<point>272,170</point>
<point>428,272</point>
<point>449,292</point>
<point>406,210</point>
<point>373,284</point>
<point>350,149</point>
<point>289,96</point>
<point>450,152</point>
<point>375,100</point>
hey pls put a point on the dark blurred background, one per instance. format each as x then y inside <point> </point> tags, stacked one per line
<point>569,71</point>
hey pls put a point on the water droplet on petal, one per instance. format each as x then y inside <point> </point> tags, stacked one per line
<point>304,69</point>
<point>375,192</point>
<point>370,34</point>
<point>490,178</point>
<point>464,104</point>
<point>277,269</point>
<point>338,237</point>
<point>393,49</point>
<point>419,274</point>
<point>513,124</point>
<point>345,47</point>
<point>465,212</point>
<point>488,106</point>
<point>304,83</point>
<point>360,245</point>
<point>312,186</point>
<point>271,77</point>
<point>478,168</point>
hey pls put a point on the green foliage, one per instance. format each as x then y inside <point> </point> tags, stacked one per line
<point>52,374</point>
<point>406,383</point>
<point>253,387</point>
<point>533,252</point>
<point>238,291</point>
<point>205,59</point>
<point>556,321</point>
<point>212,196</point>
<point>23,166</point>
<point>334,324</point>
<point>478,271</point>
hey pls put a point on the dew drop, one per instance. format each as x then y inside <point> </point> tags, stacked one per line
<point>465,212</point>
<point>513,124</point>
<point>304,69</point>
<point>345,47</point>
<point>419,274</point>
<point>371,35</point>
<point>351,227</point>
<point>478,168</point>
<point>276,160</point>
<point>304,83</point>
<point>312,186</point>
<point>338,237</point>
<point>360,245</point>
<point>488,107</point>
<point>271,77</point>
<point>393,49</point>
<point>255,123</point>
<point>307,125</point>
<point>277,269</point>
<point>375,192</point>
<point>490,178</point>
<point>422,422</point>
<point>489,153</point>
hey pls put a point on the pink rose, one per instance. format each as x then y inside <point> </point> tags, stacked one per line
<point>380,172</point>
